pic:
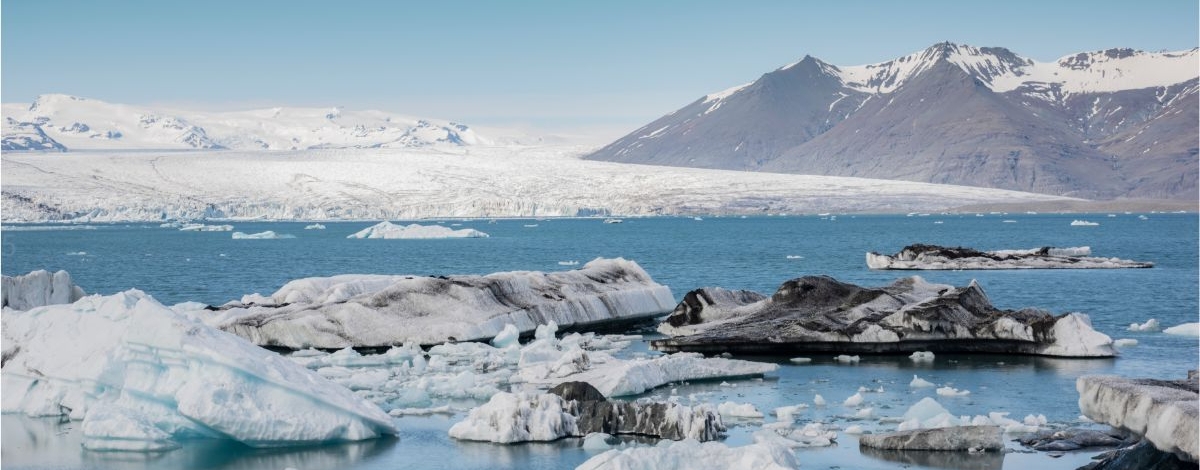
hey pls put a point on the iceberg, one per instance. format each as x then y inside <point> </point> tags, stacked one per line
<point>38,288</point>
<point>1149,325</point>
<point>1083,223</point>
<point>818,314</point>
<point>142,377</point>
<point>314,227</point>
<point>388,230</point>
<point>1164,412</point>
<point>575,409</point>
<point>381,311</point>
<point>934,257</point>
<point>962,438</point>
<point>267,235</point>
<point>691,453</point>
<point>1186,329</point>
<point>204,228</point>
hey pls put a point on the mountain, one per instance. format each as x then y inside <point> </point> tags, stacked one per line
<point>1107,124</point>
<point>62,122</point>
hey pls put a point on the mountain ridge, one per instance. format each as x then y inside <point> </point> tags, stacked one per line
<point>1076,126</point>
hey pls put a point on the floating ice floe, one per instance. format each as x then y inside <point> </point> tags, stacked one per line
<point>267,235</point>
<point>789,413</point>
<point>691,453</point>
<point>1083,223</point>
<point>568,263</point>
<point>1186,329</point>
<point>388,230</point>
<point>800,360</point>
<point>973,438</point>
<point>818,400</point>
<point>1125,343</point>
<point>934,257</point>
<point>844,359</point>
<point>314,227</point>
<point>787,435</point>
<point>38,288</point>
<point>142,376</point>
<point>952,392</point>
<point>1162,411</point>
<point>821,314</point>
<point>205,228</point>
<point>1149,325</point>
<point>928,413</point>
<point>853,401</point>
<point>921,356</point>
<point>380,311</point>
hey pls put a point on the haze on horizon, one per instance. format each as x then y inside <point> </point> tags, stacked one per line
<point>609,66</point>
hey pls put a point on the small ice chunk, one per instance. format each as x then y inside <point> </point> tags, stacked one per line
<point>1149,325</point>
<point>854,430</point>
<point>739,410</point>
<point>598,441</point>
<point>1032,420</point>
<point>507,337</point>
<point>267,235</point>
<point>801,360</point>
<point>846,359</point>
<point>819,400</point>
<point>952,392</point>
<point>922,356</point>
<point>1125,342</point>
<point>789,413</point>
<point>865,413</point>
<point>314,227</point>
<point>918,382</point>
<point>853,401</point>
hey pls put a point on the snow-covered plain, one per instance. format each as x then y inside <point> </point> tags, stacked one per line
<point>404,184</point>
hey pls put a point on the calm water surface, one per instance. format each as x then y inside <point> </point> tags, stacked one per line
<point>754,253</point>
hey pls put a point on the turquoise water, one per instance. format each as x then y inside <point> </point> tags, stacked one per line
<point>751,253</point>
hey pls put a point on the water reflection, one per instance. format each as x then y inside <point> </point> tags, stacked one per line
<point>39,442</point>
<point>935,459</point>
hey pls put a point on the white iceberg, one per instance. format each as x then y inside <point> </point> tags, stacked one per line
<point>952,392</point>
<point>691,453</point>
<point>314,227</point>
<point>142,376</point>
<point>267,235</point>
<point>509,418</point>
<point>388,230</point>
<point>205,228</point>
<point>1162,411</point>
<point>371,310</point>
<point>787,435</point>
<point>853,400</point>
<point>918,382</point>
<point>922,356</point>
<point>38,288</point>
<point>739,410</point>
<point>1149,325</point>
<point>1186,329</point>
<point>1083,223</point>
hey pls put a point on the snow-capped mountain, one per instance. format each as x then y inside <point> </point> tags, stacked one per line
<point>67,122</point>
<point>1113,123</point>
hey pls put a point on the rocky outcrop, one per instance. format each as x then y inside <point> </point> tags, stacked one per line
<point>958,438</point>
<point>934,257</point>
<point>376,311</point>
<point>1164,412</point>
<point>38,288</point>
<point>523,417</point>
<point>818,314</point>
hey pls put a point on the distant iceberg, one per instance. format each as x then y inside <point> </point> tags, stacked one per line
<point>373,310</point>
<point>1083,223</point>
<point>267,235</point>
<point>314,227</point>
<point>388,230</point>
<point>203,228</point>
<point>143,377</point>
<point>934,257</point>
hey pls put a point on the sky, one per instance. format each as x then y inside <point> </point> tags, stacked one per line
<point>608,65</point>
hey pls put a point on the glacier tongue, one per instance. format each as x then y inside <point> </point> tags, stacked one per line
<point>363,311</point>
<point>142,376</point>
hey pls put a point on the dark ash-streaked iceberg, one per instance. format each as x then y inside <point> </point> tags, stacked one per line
<point>818,314</point>
<point>934,257</point>
<point>377,311</point>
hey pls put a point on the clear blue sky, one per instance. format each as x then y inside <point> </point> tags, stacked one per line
<point>558,63</point>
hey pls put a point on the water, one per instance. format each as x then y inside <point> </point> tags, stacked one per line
<point>754,253</point>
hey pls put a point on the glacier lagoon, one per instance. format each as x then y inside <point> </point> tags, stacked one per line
<point>755,253</point>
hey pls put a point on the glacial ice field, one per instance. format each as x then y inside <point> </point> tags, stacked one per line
<point>385,184</point>
<point>781,410</point>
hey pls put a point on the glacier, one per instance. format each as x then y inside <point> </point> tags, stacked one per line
<point>822,314</point>
<point>388,230</point>
<point>143,377</point>
<point>38,288</point>
<point>933,257</point>
<point>380,311</point>
<point>410,184</point>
